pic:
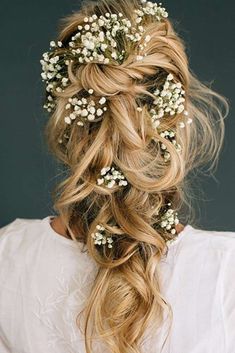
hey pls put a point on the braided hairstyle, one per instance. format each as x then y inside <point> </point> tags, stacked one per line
<point>126,295</point>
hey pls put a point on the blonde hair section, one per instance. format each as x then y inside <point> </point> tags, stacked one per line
<point>126,297</point>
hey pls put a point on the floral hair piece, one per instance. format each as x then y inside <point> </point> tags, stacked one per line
<point>84,109</point>
<point>97,40</point>
<point>169,100</point>
<point>110,177</point>
<point>169,220</point>
<point>100,237</point>
<point>169,135</point>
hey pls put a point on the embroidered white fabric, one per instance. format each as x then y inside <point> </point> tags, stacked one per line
<point>45,279</point>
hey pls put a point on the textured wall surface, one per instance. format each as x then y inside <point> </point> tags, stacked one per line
<point>28,172</point>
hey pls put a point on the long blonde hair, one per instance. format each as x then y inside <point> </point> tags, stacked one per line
<point>126,296</point>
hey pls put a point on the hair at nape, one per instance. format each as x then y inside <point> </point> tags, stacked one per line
<point>128,121</point>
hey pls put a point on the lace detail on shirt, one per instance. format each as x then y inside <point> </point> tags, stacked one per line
<point>58,311</point>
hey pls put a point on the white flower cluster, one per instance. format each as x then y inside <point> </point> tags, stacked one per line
<point>169,220</point>
<point>96,40</point>
<point>111,177</point>
<point>53,74</point>
<point>169,135</point>
<point>99,39</point>
<point>169,100</point>
<point>151,8</point>
<point>101,238</point>
<point>84,109</point>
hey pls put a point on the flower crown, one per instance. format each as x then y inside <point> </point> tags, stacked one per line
<point>98,40</point>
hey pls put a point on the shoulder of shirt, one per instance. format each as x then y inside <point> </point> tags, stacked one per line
<point>20,228</point>
<point>216,239</point>
<point>25,236</point>
<point>19,224</point>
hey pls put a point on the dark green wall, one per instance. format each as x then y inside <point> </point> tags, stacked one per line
<point>28,172</point>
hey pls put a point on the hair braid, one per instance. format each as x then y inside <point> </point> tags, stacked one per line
<point>126,296</point>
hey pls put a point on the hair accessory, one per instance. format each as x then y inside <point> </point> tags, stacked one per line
<point>101,238</point>
<point>169,135</point>
<point>96,40</point>
<point>53,73</point>
<point>153,9</point>
<point>169,220</point>
<point>84,109</point>
<point>110,177</point>
<point>169,100</point>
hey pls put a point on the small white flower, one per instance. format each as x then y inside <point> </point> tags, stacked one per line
<point>189,121</point>
<point>147,38</point>
<point>92,110</point>
<point>111,184</point>
<point>102,100</point>
<point>104,170</point>
<point>170,77</point>
<point>67,120</point>
<point>100,181</point>
<point>52,44</point>
<point>101,22</point>
<point>84,112</point>
<point>114,55</point>
<point>91,117</point>
<point>181,124</point>
<point>91,91</point>
<point>99,112</point>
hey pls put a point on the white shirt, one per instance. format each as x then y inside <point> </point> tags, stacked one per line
<point>45,278</point>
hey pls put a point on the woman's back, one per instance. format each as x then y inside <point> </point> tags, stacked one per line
<point>45,279</point>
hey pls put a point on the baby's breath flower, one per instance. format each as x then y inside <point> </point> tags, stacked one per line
<point>169,135</point>
<point>84,109</point>
<point>168,221</point>
<point>101,238</point>
<point>152,9</point>
<point>189,121</point>
<point>110,177</point>
<point>169,100</point>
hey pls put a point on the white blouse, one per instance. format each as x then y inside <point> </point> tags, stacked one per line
<point>45,278</point>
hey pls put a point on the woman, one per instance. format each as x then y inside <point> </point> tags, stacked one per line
<point>115,270</point>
